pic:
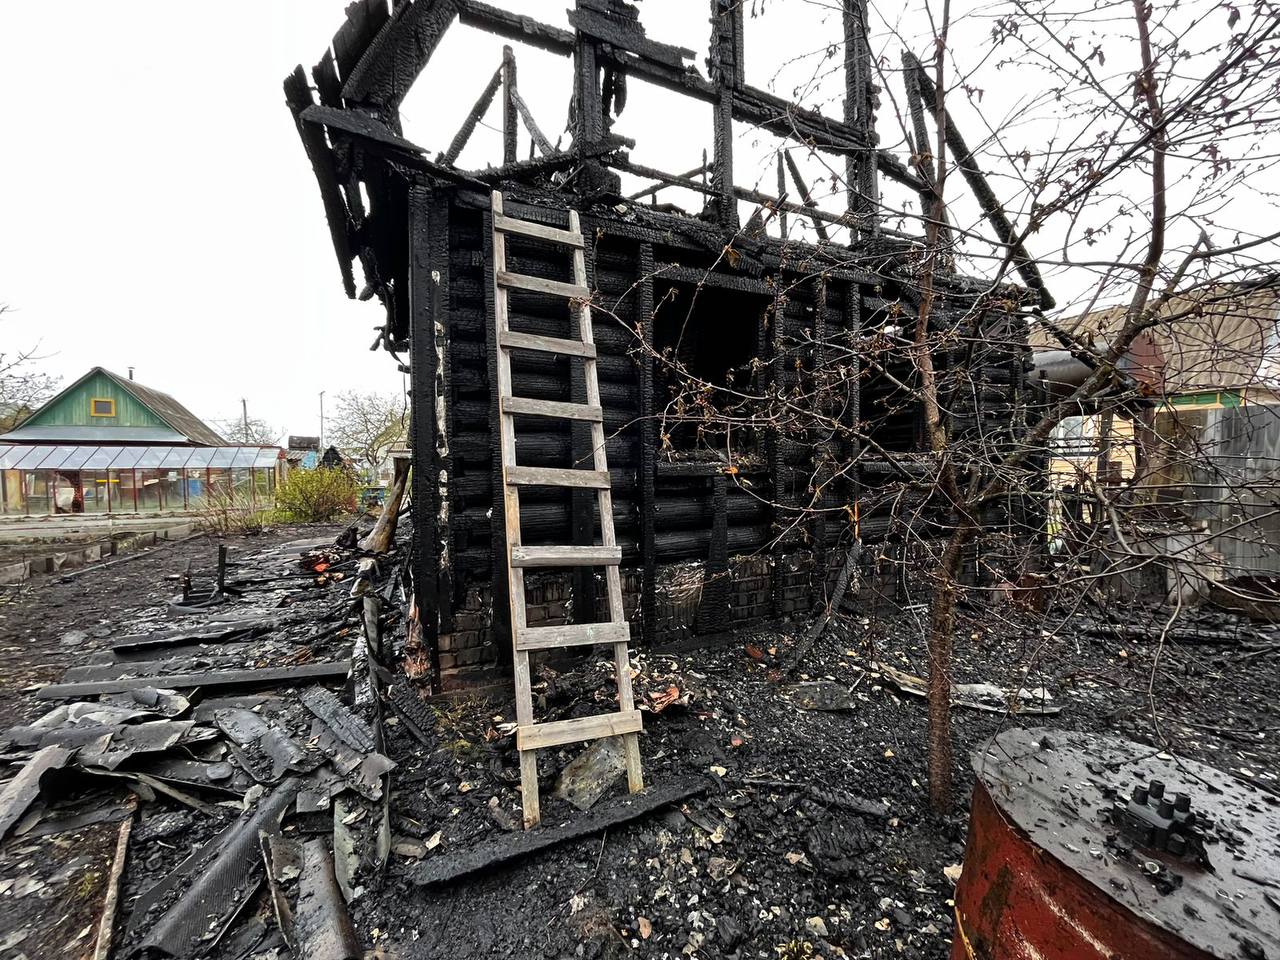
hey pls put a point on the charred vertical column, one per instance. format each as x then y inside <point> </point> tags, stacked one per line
<point>423,362</point>
<point>859,112</point>
<point>823,452</point>
<point>510,113</point>
<point>713,609</point>
<point>726,68</point>
<point>648,447</point>
<point>588,108</point>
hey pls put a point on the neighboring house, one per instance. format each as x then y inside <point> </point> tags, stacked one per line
<point>1211,365</point>
<point>107,443</point>
<point>303,453</point>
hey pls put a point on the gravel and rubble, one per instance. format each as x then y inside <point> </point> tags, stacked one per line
<point>804,831</point>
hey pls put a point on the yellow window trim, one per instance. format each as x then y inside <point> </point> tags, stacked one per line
<point>93,406</point>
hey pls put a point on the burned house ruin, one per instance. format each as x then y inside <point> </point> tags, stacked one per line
<point>714,530</point>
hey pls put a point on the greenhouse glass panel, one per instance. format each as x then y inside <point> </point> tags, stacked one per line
<point>128,458</point>
<point>37,492</point>
<point>9,456</point>
<point>94,486</point>
<point>33,457</point>
<point>149,491</point>
<point>102,458</point>
<point>76,460</point>
<point>176,458</point>
<point>200,457</point>
<point>223,456</point>
<point>245,457</point>
<point>267,458</point>
<point>151,458</point>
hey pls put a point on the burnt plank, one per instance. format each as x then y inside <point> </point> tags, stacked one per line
<point>298,96</point>
<point>505,849</point>
<point>208,679</point>
<point>396,56</point>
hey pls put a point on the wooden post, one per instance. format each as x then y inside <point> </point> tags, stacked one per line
<point>727,73</point>
<point>510,113</point>
<point>861,173</point>
<point>423,364</point>
<point>648,446</point>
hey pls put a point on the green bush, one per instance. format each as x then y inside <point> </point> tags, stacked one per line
<point>316,496</point>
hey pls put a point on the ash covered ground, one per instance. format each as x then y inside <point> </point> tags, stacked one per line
<point>813,835</point>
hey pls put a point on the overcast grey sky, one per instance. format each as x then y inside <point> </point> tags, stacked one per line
<point>160,213</point>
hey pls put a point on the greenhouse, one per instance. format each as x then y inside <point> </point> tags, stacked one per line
<point>59,479</point>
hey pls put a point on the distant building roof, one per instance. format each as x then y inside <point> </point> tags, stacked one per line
<point>57,433</point>
<point>1219,337</point>
<point>304,443</point>
<point>184,426</point>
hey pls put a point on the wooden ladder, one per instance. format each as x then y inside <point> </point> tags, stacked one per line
<point>626,721</point>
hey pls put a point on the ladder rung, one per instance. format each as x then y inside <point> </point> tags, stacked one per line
<point>570,556</point>
<point>540,735</point>
<point>530,229</point>
<point>552,408</point>
<point>529,341</point>
<point>557,477</point>
<point>572,635</point>
<point>557,288</point>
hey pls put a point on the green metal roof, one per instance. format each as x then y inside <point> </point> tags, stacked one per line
<point>133,407</point>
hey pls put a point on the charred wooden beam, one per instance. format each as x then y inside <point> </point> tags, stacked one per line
<point>688,174</point>
<point>391,63</point>
<point>805,195</point>
<point>859,114</point>
<point>923,150</point>
<point>477,113</point>
<point>977,180</point>
<point>425,319</point>
<point>510,115</point>
<point>513,26</point>
<point>539,138</point>
<point>298,96</point>
<point>628,36</point>
<point>726,73</point>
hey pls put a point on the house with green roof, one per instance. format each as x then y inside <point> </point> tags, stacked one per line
<point>108,444</point>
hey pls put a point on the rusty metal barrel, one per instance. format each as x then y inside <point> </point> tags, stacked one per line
<point>1089,848</point>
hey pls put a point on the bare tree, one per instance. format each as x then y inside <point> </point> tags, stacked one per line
<point>368,426</point>
<point>23,386</point>
<point>250,431</point>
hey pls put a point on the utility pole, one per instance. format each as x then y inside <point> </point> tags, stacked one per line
<point>244,409</point>
<point>322,421</point>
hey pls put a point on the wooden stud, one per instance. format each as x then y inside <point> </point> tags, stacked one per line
<point>528,407</point>
<point>542,232</point>
<point>567,556</point>
<point>541,735</point>
<point>556,288</point>
<point>573,635</point>
<point>557,477</point>
<point>528,341</point>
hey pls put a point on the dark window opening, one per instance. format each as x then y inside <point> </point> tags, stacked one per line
<point>709,341</point>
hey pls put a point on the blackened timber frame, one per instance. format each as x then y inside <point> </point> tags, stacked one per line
<point>425,274</point>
